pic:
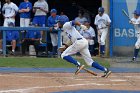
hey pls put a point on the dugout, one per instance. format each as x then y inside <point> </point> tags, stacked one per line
<point>69,7</point>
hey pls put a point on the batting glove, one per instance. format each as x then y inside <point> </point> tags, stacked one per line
<point>83,27</point>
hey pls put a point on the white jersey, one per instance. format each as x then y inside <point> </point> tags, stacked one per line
<point>43,4</point>
<point>136,23</point>
<point>101,21</point>
<point>9,9</point>
<point>72,33</point>
<point>89,33</point>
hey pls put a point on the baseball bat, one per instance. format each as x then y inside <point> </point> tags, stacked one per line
<point>90,71</point>
<point>126,14</point>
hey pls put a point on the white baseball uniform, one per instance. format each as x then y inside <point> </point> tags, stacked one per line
<point>9,13</point>
<point>88,34</point>
<point>136,23</point>
<point>79,43</point>
<point>101,23</point>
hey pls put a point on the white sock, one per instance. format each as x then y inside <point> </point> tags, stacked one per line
<point>13,50</point>
<point>78,63</point>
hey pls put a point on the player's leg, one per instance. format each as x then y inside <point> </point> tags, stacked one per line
<point>103,38</point>
<point>54,42</point>
<point>42,23</point>
<point>5,24</point>
<point>22,22</point>
<point>136,50</point>
<point>66,55</point>
<point>13,43</point>
<point>27,22</point>
<point>88,59</point>
<point>56,37</point>
<point>73,49</point>
<point>99,41</point>
<point>1,46</point>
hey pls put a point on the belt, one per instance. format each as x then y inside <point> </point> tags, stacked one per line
<point>103,28</point>
<point>79,38</point>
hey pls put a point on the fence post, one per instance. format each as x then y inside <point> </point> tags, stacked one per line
<point>59,42</point>
<point>4,43</point>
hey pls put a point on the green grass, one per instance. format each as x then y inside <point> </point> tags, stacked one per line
<point>44,62</point>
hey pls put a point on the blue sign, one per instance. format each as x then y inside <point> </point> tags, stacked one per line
<point>122,33</point>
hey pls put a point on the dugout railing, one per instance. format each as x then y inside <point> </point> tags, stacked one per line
<point>4,29</point>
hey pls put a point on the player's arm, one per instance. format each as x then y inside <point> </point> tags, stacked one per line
<point>35,8</point>
<point>28,9</point>
<point>134,22</point>
<point>79,24</point>
<point>44,9</point>
<point>108,21</point>
<point>65,46</point>
<point>3,11</point>
<point>16,9</point>
<point>20,8</point>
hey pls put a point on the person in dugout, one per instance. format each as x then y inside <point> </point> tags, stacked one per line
<point>31,38</point>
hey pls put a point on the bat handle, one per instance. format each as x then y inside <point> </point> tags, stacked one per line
<point>89,71</point>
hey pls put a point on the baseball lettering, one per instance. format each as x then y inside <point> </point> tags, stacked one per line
<point>124,32</point>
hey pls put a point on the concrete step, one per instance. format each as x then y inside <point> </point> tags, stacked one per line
<point>125,63</point>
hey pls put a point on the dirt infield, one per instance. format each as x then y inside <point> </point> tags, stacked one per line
<point>55,82</point>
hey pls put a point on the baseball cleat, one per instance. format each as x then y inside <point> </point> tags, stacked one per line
<point>106,73</point>
<point>79,69</point>
<point>133,59</point>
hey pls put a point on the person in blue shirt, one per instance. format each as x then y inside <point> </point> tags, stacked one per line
<point>11,38</point>
<point>31,38</point>
<point>52,24</point>
<point>25,14</point>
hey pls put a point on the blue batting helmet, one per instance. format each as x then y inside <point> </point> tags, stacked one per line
<point>63,19</point>
<point>101,9</point>
<point>53,11</point>
<point>136,12</point>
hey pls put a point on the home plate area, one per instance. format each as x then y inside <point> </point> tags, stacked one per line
<point>69,83</point>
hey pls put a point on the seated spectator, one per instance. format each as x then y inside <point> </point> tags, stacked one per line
<point>80,19</point>
<point>31,38</point>
<point>11,38</point>
<point>89,34</point>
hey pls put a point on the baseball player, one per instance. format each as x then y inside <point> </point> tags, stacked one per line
<point>25,13</point>
<point>77,43</point>
<point>31,38</point>
<point>9,11</point>
<point>80,19</point>
<point>11,38</point>
<point>136,22</point>
<point>89,34</point>
<point>102,22</point>
<point>40,9</point>
<point>52,23</point>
